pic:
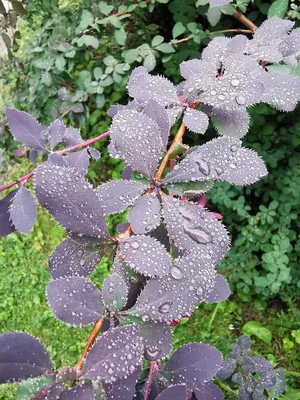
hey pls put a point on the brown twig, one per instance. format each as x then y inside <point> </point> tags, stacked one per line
<point>26,177</point>
<point>244,20</point>
<point>89,344</point>
<point>182,41</point>
<point>176,140</point>
<point>237,30</point>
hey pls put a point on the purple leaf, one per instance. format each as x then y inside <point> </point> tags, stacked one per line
<point>190,281</point>
<point>267,38</point>
<point>220,292</point>
<point>158,114</point>
<point>127,173</point>
<point>73,259</point>
<point>122,227</point>
<point>32,155</point>
<point>134,282</point>
<point>193,228</point>
<point>71,137</point>
<point>114,292</point>
<point>282,91</point>
<point>157,338</point>
<point>57,159</point>
<point>191,67</point>
<point>79,160</point>
<point>138,140</point>
<point>238,87</point>
<point>195,120</point>
<point>237,44</point>
<point>23,210</point>
<point>75,301</point>
<point>144,215</point>
<point>205,162</point>
<point>70,199</point>
<point>81,392</point>
<point>77,108</point>
<point>20,152</point>
<point>6,226</point>
<point>143,87</point>
<point>209,391</point>
<point>105,360</point>
<point>177,392</point>
<point>193,363</point>
<point>246,168</point>
<point>145,255</point>
<point>227,369</point>
<point>25,128</point>
<point>94,153</point>
<point>123,388</point>
<point>231,123</point>
<point>219,3</point>
<point>119,107</point>
<point>263,368</point>
<point>21,357</point>
<point>116,196</point>
<point>56,133</point>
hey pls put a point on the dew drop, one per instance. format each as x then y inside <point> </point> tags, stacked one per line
<point>219,170</point>
<point>203,167</point>
<point>152,354</point>
<point>240,100</point>
<point>199,291</point>
<point>135,245</point>
<point>165,308</point>
<point>176,272</point>
<point>235,82</point>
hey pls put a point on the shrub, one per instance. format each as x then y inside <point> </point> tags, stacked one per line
<point>165,256</point>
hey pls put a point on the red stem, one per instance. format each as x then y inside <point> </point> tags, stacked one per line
<point>153,368</point>
<point>25,178</point>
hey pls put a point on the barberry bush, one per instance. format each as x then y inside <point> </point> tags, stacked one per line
<point>164,257</point>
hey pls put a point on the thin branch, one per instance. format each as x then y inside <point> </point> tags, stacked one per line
<point>244,20</point>
<point>237,30</point>
<point>176,140</point>
<point>153,368</point>
<point>89,344</point>
<point>26,177</point>
<point>181,41</point>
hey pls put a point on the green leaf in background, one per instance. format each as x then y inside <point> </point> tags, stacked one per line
<point>178,29</point>
<point>278,8</point>
<point>98,72</point>
<point>149,62</point>
<point>228,9</point>
<point>165,48</point>
<point>105,8</point>
<point>214,15</point>
<point>201,3</point>
<point>132,55</point>
<point>296,335</point>
<point>157,40</point>
<point>115,21</point>
<point>121,36</point>
<point>90,40</point>
<point>60,62</point>
<point>27,389</point>
<point>87,20</point>
<point>255,328</point>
